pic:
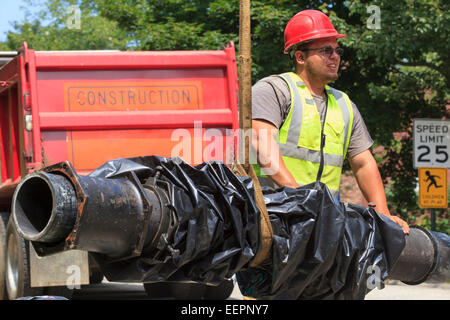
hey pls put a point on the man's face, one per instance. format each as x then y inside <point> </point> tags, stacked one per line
<point>321,66</point>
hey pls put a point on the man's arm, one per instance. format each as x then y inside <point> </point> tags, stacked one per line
<point>369,181</point>
<point>268,153</point>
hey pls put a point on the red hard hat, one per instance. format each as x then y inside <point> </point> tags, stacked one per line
<point>308,25</point>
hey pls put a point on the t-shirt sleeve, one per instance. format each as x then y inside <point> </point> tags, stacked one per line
<point>270,100</point>
<point>360,139</point>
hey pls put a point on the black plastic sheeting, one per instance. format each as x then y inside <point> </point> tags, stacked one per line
<point>218,223</point>
<point>322,249</point>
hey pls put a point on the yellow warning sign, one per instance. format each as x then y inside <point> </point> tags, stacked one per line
<point>433,188</point>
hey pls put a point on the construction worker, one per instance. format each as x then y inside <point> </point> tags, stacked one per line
<point>288,112</point>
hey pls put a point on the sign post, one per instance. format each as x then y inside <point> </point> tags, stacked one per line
<point>431,158</point>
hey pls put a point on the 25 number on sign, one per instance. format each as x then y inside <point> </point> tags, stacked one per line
<point>440,151</point>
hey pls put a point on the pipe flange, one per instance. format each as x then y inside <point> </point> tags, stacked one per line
<point>435,257</point>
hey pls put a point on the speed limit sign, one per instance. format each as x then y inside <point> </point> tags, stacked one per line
<point>431,143</point>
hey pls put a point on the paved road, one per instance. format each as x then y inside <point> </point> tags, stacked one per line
<point>394,290</point>
<point>397,290</point>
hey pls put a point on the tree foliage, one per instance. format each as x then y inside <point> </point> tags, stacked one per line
<point>51,28</point>
<point>394,74</point>
<point>402,73</point>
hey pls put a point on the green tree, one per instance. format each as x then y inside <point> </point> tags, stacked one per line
<point>60,30</point>
<point>397,73</point>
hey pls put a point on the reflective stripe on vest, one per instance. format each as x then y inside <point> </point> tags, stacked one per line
<point>299,136</point>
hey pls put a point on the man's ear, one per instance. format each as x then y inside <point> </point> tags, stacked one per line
<point>299,56</point>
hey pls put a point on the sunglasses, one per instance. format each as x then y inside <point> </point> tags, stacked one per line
<point>327,51</point>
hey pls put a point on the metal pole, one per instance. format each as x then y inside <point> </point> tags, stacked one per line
<point>433,219</point>
<point>245,82</point>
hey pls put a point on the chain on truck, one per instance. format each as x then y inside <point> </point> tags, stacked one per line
<point>88,107</point>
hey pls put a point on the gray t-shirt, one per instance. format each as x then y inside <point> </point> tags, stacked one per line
<point>271,101</point>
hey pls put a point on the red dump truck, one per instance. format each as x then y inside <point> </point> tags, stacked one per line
<point>89,107</point>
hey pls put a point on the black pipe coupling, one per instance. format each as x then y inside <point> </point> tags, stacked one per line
<point>425,258</point>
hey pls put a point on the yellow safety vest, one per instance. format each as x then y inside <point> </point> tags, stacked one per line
<point>299,137</point>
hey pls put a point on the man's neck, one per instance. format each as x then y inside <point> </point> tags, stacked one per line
<point>314,86</point>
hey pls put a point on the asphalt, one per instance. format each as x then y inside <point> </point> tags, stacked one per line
<point>393,290</point>
<point>396,290</point>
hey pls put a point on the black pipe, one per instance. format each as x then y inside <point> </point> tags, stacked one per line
<point>425,258</point>
<point>59,210</point>
<point>124,216</point>
<point>45,208</point>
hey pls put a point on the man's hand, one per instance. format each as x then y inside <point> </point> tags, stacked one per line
<point>402,223</point>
